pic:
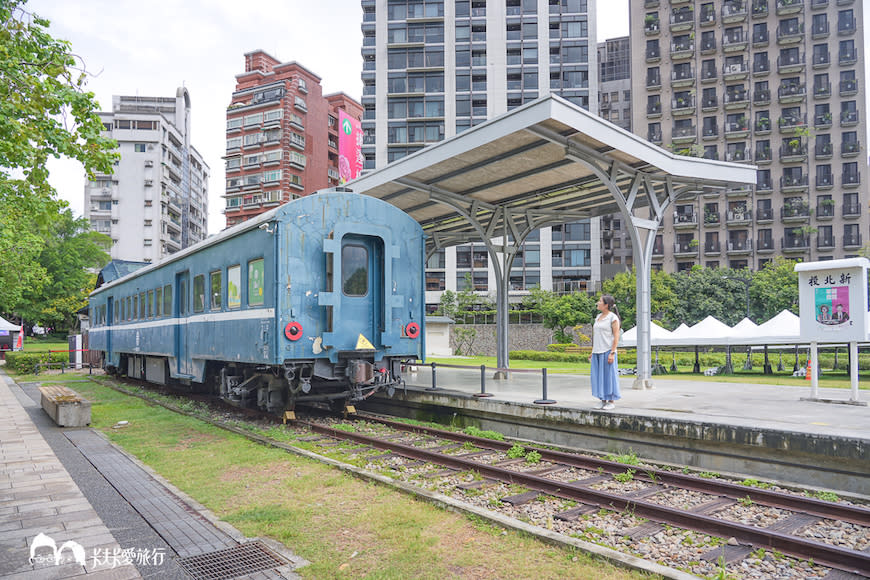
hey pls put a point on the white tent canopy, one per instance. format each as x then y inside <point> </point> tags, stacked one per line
<point>6,325</point>
<point>784,328</point>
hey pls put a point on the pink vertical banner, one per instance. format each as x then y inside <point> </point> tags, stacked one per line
<point>350,158</point>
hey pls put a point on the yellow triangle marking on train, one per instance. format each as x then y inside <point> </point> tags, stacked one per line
<point>363,343</point>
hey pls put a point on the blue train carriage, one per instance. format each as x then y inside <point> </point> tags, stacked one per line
<point>321,299</point>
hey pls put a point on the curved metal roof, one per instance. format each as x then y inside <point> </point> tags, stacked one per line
<point>537,165</point>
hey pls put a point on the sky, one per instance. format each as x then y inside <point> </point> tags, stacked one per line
<point>133,50</point>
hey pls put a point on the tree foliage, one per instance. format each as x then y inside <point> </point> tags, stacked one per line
<point>774,288</point>
<point>70,254</point>
<point>44,112</point>
<point>623,288</point>
<point>717,292</point>
<point>561,311</point>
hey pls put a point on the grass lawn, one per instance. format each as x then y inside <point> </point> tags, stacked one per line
<point>830,379</point>
<point>33,344</point>
<point>347,528</point>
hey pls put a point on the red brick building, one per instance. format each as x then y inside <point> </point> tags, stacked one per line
<point>282,136</point>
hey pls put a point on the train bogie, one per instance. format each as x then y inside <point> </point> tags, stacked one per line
<point>321,298</point>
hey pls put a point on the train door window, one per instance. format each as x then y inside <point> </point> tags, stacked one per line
<point>141,306</point>
<point>116,314</point>
<point>354,270</point>
<point>167,300</point>
<point>215,282</point>
<point>182,298</point>
<point>199,293</point>
<point>158,302</point>
<point>256,282</point>
<point>234,287</point>
<point>122,309</point>
<point>135,307</point>
<point>151,304</point>
<point>128,309</point>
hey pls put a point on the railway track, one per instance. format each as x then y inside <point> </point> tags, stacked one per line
<point>592,484</point>
<point>783,536</point>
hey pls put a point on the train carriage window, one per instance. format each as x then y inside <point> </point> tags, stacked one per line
<point>158,302</point>
<point>182,298</point>
<point>141,306</point>
<point>215,282</point>
<point>129,309</point>
<point>151,304</point>
<point>135,307</point>
<point>167,300</point>
<point>234,286</point>
<point>122,309</point>
<point>116,314</point>
<point>199,293</point>
<point>354,270</point>
<point>256,282</point>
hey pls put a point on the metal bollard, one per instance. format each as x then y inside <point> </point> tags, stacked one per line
<point>482,392</point>
<point>544,400</point>
<point>433,387</point>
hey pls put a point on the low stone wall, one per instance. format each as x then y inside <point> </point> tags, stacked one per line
<point>520,337</point>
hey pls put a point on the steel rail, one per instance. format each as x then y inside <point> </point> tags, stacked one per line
<point>848,513</point>
<point>828,555</point>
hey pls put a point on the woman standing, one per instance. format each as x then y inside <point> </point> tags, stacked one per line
<point>605,336</point>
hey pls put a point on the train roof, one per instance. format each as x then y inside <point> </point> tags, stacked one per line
<point>248,225</point>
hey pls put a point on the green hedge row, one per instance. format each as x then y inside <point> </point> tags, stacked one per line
<point>25,362</point>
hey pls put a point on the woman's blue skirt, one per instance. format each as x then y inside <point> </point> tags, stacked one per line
<point>605,379</point>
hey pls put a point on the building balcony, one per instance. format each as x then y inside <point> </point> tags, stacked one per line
<point>824,150</point>
<point>764,215</point>
<point>826,242</point>
<point>763,187</point>
<point>735,218</point>
<point>762,126</point>
<point>785,7</point>
<point>650,3</point>
<point>791,123</point>
<point>734,11</point>
<point>793,153</point>
<point>682,51</point>
<point>817,4</point>
<point>763,155</point>
<point>654,82</point>
<point>848,58</point>
<point>682,79</point>
<point>825,209</point>
<point>735,130</point>
<point>710,133</point>
<point>711,219</point>
<point>760,39</point>
<point>739,247</point>
<point>848,118</point>
<point>760,9</point>
<point>823,120</point>
<point>764,245</point>
<point>789,34</point>
<point>653,55</point>
<point>685,220</point>
<point>821,60</point>
<point>734,42</point>
<point>847,27</point>
<point>794,184</point>
<point>709,74</point>
<point>820,30</point>
<point>683,19</point>
<point>824,182</point>
<point>851,210</point>
<point>851,180</point>
<point>654,137</point>
<point>707,16</point>
<point>760,69</point>
<point>761,97</point>
<point>651,26</point>
<point>852,241</point>
<point>736,100</point>
<point>658,250</point>
<point>710,103</point>
<point>739,191</point>
<point>682,107</point>
<point>848,88</point>
<point>822,90</point>
<point>654,110</point>
<point>791,64</point>
<point>737,156</point>
<point>712,248</point>
<point>850,148</point>
<point>686,249</point>
<point>794,213</point>
<point>684,134</point>
<point>794,244</point>
<point>735,71</point>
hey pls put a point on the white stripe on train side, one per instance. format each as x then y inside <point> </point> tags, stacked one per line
<point>255,314</point>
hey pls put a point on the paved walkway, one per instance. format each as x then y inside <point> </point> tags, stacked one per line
<point>738,404</point>
<point>38,496</point>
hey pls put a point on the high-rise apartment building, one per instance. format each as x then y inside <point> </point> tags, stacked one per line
<point>155,202</point>
<point>434,68</point>
<point>777,83</point>
<point>282,136</point>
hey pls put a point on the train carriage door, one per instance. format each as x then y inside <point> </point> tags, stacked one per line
<point>110,320</point>
<point>182,282</point>
<point>362,291</point>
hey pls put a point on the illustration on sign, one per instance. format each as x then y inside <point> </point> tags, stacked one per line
<point>832,305</point>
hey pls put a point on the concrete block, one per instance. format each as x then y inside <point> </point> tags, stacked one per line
<point>65,407</point>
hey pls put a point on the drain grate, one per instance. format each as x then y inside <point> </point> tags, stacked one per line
<point>231,562</point>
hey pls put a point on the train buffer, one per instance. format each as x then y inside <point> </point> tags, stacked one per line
<point>65,406</point>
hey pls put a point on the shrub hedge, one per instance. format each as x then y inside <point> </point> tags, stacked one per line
<point>25,362</point>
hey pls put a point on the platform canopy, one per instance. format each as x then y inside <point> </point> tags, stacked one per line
<point>547,162</point>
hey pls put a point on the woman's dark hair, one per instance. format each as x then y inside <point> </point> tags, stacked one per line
<point>611,305</point>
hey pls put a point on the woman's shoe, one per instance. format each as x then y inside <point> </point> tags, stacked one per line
<point>599,405</point>
<point>608,406</point>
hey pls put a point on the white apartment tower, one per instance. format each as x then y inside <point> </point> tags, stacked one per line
<point>155,203</point>
<point>434,68</point>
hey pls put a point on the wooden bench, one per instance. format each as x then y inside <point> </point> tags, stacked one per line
<point>65,406</point>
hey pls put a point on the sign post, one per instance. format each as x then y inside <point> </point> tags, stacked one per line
<point>834,304</point>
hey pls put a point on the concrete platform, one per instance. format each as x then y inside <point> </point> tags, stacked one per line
<point>74,486</point>
<point>763,431</point>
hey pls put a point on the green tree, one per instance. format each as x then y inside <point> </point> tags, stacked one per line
<point>623,288</point>
<point>70,255</point>
<point>717,292</point>
<point>560,311</point>
<point>774,289</point>
<point>44,112</point>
